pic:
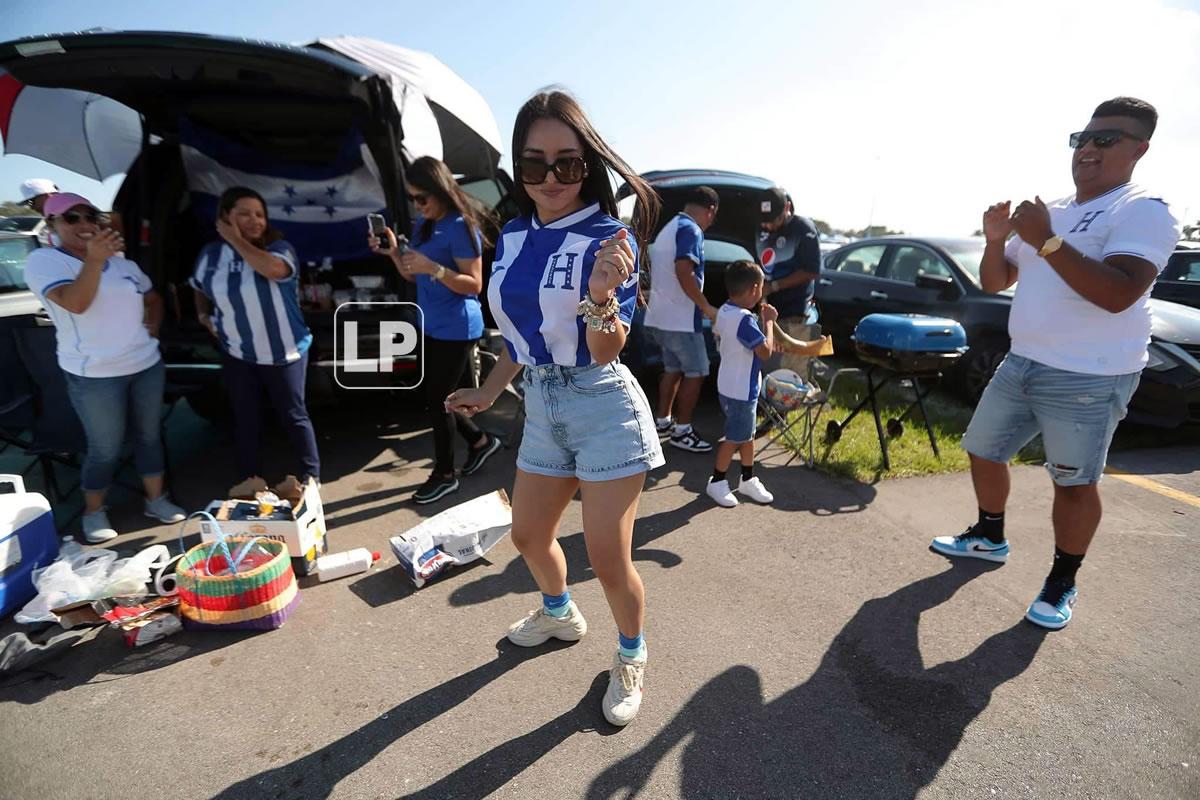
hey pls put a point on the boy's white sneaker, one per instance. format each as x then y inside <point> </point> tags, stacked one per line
<point>754,489</point>
<point>720,492</point>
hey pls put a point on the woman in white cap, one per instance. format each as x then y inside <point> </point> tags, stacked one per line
<point>106,315</point>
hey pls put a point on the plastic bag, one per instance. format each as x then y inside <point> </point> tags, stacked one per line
<point>89,575</point>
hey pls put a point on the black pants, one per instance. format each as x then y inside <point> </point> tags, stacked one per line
<point>446,364</point>
<point>285,388</point>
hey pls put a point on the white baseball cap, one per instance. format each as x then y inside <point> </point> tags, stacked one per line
<point>36,187</point>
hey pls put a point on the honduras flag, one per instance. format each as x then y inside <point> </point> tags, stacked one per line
<point>320,209</point>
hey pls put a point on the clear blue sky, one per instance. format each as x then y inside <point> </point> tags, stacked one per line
<point>915,115</point>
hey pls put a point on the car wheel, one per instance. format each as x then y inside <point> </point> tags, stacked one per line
<point>978,366</point>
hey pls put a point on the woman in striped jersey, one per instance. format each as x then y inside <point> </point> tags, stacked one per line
<point>563,288</point>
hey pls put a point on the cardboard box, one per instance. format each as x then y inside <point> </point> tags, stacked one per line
<point>301,528</point>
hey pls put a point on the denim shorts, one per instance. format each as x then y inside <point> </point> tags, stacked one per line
<point>1075,413</point>
<point>683,351</point>
<point>592,423</point>
<point>739,419</point>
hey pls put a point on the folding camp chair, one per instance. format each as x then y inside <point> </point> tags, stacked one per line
<point>797,426</point>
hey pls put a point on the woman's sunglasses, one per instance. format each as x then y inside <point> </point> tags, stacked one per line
<point>568,169</point>
<point>419,198</point>
<point>1102,139</point>
<point>75,217</point>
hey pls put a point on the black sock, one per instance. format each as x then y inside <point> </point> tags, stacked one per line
<point>991,526</point>
<point>1064,568</point>
<point>747,472</point>
<point>718,475</point>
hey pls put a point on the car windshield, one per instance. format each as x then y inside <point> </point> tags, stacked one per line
<point>968,254</point>
<point>719,252</point>
<point>13,252</point>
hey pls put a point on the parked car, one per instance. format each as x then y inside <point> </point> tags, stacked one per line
<point>1180,280</point>
<point>940,277</point>
<point>259,95</point>
<point>15,298</point>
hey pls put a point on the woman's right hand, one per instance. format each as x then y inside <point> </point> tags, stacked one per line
<point>469,402</point>
<point>207,322</point>
<point>104,245</point>
<point>374,243</point>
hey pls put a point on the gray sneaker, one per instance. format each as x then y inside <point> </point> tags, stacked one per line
<point>96,527</point>
<point>538,627</point>
<point>162,509</point>
<point>624,696</point>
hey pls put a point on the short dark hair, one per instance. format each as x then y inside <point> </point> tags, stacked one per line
<point>741,275</point>
<point>1130,107</point>
<point>230,197</point>
<point>705,196</point>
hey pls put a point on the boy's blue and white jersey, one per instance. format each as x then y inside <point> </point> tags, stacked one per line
<point>540,274</point>
<point>738,334</point>
<point>258,320</point>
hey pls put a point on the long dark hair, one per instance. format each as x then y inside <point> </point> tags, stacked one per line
<point>599,157</point>
<point>433,177</point>
<point>229,199</point>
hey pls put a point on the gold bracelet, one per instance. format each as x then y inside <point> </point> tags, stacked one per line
<point>600,316</point>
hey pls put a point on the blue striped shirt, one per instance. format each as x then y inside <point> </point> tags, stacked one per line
<point>538,277</point>
<point>258,320</point>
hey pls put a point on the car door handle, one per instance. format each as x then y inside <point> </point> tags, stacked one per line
<point>824,282</point>
<point>878,295</point>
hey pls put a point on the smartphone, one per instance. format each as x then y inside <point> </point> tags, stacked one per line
<point>401,245</point>
<point>378,227</point>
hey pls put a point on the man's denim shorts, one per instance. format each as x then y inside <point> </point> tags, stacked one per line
<point>682,351</point>
<point>739,419</point>
<point>592,423</point>
<point>1076,414</point>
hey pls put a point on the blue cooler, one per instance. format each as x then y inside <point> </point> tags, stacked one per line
<point>28,540</point>
<point>910,343</point>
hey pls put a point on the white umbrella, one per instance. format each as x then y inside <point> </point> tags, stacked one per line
<point>84,132</point>
<point>443,116</point>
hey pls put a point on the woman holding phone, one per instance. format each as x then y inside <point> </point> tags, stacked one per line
<point>445,261</point>
<point>563,289</point>
<point>106,316</point>
<point>247,297</point>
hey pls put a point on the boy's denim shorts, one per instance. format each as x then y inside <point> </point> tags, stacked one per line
<point>682,351</point>
<point>1075,413</point>
<point>739,419</point>
<point>592,423</point>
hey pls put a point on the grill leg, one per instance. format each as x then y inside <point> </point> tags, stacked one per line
<point>887,462</point>
<point>925,417</point>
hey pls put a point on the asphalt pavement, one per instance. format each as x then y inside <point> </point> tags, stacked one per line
<point>814,648</point>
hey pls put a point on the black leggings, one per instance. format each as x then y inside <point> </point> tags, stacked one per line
<point>446,363</point>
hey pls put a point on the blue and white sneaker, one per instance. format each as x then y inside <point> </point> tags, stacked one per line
<point>1052,608</point>
<point>970,545</point>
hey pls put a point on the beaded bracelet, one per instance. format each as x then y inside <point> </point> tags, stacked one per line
<point>599,316</point>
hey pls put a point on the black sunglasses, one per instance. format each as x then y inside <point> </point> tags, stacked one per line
<point>73,217</point>
<point>1102,139</point>
<point>568,169</point>
<point>419,198</point>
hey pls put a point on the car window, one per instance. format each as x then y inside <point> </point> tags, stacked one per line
<point>485,190</point>
<point>910,262</point>
<point>860,260</point>
<point>13,252</point>
<point>1184,267</point>
<point>719,252</point>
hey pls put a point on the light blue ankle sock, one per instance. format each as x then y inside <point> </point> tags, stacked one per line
<point>634,648</point>
<point>557,605</point>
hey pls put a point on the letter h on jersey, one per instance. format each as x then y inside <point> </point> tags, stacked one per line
<point>568,270</point>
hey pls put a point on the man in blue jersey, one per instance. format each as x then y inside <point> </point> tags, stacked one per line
<point>789,251</point>
<point>676,315</point>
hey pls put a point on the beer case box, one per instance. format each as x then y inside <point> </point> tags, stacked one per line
<point>301,528</point>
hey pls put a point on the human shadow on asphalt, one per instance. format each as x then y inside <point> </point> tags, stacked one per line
<point>315,774</point>
<point>872,720</point>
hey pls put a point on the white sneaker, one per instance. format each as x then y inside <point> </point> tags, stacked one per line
<point>624,696</point>
<point>721,493</point>
<point>539,627</point>
<point>754,489</point>
<point>162,509</point>
<point>96,527</point>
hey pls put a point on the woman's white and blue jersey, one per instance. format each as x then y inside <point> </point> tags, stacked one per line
<point>737,335</point>
<point>258,320</point>
<point>538,277</point>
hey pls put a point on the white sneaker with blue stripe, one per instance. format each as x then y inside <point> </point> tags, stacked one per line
<point>969,544</point>
<point>1052,608</point>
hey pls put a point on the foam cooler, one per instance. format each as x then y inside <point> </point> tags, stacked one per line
<point>28,540</point>
<point>909,343</point>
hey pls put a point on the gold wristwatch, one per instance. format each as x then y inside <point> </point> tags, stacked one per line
<point>1051,245</point>
<point>441,273</point>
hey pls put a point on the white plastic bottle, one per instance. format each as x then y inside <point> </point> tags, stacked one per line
<point>339,565</point>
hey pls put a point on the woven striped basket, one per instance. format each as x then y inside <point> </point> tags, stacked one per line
<point>259,599</point>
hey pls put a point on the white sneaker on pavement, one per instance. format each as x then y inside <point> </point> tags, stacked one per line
<point>720,492</point>
<point>754,489</point>
<point>162,509</point>
<point>96,527</point>
<point>539,627</point>
<point>624,696</point>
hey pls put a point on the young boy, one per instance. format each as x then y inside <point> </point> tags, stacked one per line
<point>744,346</point>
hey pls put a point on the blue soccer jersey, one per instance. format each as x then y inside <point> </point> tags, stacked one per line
<point>448,314</point>
<point>538,277</point>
